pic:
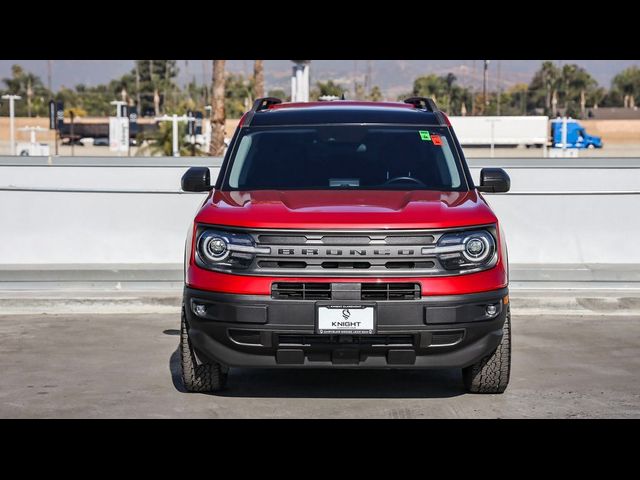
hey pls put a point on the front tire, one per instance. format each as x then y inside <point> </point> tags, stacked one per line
<point>491,373</point>
<point>198,377</point>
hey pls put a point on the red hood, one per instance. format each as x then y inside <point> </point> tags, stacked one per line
<point>371,209</point>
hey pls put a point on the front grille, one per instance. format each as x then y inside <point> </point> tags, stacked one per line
<point>330,340</point>
<point>390,291</point>
<point>301,291</point>
<point>346,253</point>
<point>368,291</point>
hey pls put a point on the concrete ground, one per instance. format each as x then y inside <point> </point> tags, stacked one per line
<point>107,365</point>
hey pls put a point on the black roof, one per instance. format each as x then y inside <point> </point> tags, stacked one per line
<point>329,112</point>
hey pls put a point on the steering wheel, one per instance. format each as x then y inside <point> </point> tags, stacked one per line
<point>405,179</point>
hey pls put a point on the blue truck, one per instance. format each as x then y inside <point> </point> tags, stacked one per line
<point>577,137</point>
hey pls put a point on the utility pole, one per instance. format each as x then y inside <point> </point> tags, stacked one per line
<point>49,75</point>
<point>355,80</point>
<point>12,133</point>
<point>367,79</point>
<point>485,99</point>
<point>473,88</point>
<point>204,82</point>
<point>499,90</point>
<point>139,103</point>
<point>72,116</point>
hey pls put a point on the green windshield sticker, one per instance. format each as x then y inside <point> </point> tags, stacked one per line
<point>424,135</point>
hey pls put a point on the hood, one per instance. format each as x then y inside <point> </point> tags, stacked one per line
<point>370,209</point>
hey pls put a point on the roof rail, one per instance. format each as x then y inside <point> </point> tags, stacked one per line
<point>424,103</point>
<point>260,104</point>
<point>429,105</point>
<point>264,103</point>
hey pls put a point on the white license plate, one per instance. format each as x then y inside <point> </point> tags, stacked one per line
<point>347,319</point>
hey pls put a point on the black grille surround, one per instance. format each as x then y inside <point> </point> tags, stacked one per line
<point>390,291</point>
<point>323,291</point>
<point>301,291</point>
<point>349,253</point>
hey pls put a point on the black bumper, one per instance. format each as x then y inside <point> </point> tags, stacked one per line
<point>259,331</point>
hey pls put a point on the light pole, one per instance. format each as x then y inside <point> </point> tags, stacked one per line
<point>174,134</point>
<point>493,121</point>
<point>484,87</point>
<point>72,115</point>
<point>12,133</point>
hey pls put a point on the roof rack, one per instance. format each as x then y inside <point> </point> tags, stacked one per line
<point>264,103</point>
<point>424,103</point>
<point>428,105</point>
<point>260,104</point>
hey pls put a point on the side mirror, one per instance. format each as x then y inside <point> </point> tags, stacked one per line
<point>494,180</point>
<point>196,179</point>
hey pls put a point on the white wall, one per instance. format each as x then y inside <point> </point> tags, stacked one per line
<point>544,219</point>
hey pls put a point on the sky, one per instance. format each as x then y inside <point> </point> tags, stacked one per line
<point>393,76</point>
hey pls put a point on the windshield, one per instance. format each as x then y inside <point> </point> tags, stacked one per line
<point>345,157</point>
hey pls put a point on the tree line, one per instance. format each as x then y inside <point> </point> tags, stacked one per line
<point>151,85</point>
<point>568,90</point>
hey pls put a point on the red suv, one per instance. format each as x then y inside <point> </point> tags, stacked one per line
<point>345,235</point>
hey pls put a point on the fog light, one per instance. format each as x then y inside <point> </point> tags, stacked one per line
<point>491,310</point>
<point>199,309</point>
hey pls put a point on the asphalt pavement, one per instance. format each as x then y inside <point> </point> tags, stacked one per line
<point>126,366</point>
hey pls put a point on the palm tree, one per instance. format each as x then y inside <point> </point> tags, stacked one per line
<point>218,113</point>
<point>550,76</point>
<point>258,78</point>
<point>576,81</point>
<point>627,83</point>
<point>450,79</point>
<point>583,83</point>
<point>160,142</point>
<point>430,86</point>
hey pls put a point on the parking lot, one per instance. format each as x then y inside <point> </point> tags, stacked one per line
<point>115,366</point>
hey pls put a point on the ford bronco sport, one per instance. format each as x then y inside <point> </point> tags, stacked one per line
<point>345,235</point>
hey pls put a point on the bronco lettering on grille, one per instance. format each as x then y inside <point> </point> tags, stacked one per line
<point>360,252</point>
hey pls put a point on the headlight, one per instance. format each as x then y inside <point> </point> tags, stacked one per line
<point>219,250</point>
<point>472,250</point>
<point>214,248</point>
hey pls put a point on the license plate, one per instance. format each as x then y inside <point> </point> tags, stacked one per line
<point>346,319</point>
